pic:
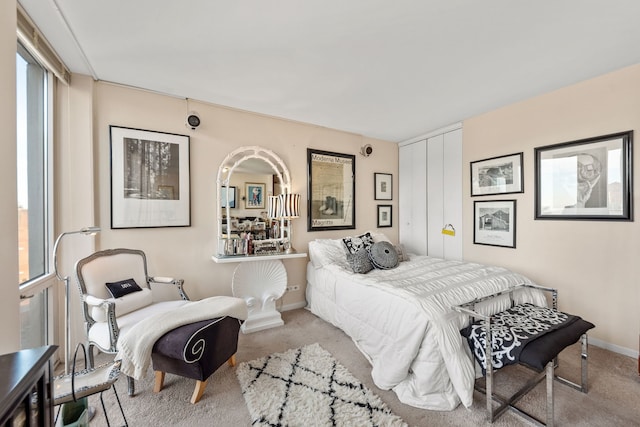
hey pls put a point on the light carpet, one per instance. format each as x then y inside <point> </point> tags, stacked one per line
<point>307,386</point>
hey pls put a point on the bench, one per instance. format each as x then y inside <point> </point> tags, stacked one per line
<point>527,335</point>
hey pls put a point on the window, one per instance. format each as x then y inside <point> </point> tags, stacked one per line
<point>33,165</point>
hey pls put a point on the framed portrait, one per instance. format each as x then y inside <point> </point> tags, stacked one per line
<point>331,190</point>
<point>494,223</point>
<point>384,216</point>
<point>587,179</point>
<point>228,197</point>
<point>383,185</point>
<point>149,179</point>
<point>497,175</point>
<point>254,195</point>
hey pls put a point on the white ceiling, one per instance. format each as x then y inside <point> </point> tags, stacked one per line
<point>384,69</point>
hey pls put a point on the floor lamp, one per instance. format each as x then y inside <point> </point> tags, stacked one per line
<point>87,231</point>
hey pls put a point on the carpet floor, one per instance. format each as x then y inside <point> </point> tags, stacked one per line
<point>613,398</point>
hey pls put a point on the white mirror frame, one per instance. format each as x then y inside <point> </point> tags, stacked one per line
<point>234,159</point>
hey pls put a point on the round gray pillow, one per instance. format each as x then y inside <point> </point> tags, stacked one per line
<point>383,255</point>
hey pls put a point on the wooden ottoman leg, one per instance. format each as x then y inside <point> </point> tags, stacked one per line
<point>198,391</point>
<point>159,382</point>
<point>232,361</point>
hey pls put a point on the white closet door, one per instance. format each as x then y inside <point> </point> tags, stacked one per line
<point>412,197</point>
<point>452,196</point>
<point>435,196</point>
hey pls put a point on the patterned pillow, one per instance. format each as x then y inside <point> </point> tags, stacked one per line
<point>359,261</point>
<point>383,256</point>
<point>353,244</point>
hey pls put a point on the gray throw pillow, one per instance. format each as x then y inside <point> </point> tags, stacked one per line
<point>383,255</point>
<point>359,261</point>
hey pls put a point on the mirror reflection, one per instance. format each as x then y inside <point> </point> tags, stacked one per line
<point>246,181</point>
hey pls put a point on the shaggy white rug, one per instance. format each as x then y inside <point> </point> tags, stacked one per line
<point>307,387</point>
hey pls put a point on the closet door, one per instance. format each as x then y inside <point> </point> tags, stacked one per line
<point>412,197</point>
<point>444,190</point>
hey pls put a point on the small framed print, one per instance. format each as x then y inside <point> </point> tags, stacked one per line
<point>229,197</point>
<point>495,223</point>
<point>383,185</point>
<point>498,175</point>
<point>254,195</point>
<point>384,216</point>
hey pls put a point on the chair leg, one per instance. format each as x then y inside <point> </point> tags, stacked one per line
<point>159,382</point>
<point>199,390</point>
<point>131,386</point>
<point>232,361</point>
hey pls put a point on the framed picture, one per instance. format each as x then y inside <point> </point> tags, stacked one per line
<point>149,179</point>
<point>384,216</point>
<point>383,185</point>
<point>497,175</point>
<point>254,195</point>
<point>494,223</point>
<point>587,179</point>
<point>228,197</point>
<point>331,190</point>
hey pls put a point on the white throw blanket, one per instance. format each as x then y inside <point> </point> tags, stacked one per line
<point>136,345</point>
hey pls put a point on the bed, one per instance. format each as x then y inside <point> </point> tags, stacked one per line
<point>401,318</point>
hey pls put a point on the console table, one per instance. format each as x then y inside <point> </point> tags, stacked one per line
<point>25,387</point>
<point>260,280</point>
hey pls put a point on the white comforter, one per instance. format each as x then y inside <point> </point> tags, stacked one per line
<point>402,321</point>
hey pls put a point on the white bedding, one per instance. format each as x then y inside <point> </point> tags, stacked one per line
<point>401,319</point>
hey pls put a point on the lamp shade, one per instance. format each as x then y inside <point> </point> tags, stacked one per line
<point>290,205</point>
<point>273,207</point>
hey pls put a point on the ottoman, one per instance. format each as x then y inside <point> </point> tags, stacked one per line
<point>196,351</point>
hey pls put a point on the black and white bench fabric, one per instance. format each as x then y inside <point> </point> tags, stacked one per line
<point>513,330</point>
<point>524,334</point>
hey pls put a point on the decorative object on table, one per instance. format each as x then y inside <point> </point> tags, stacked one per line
<point>588,179</point>
<point>289,209</point>
<point>384,216</point>
<point>149,179</point>
<point>278,389</point>
<point>495,223</point>
<point>254,195</point>
<point>497,175</point>
<point>331,190</point>
<point>87,231</point>
<point>228,196</point>
<point>383,186</point>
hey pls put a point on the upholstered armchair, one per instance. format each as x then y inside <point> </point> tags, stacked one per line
<point>117,293</point>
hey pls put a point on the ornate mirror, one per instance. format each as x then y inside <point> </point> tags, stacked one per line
<point>249,181</point>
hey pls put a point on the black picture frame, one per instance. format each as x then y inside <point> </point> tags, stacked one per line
<point>331,191</point>
<point>494,223</point>
<point>497,175</point>
<point>150,179</point>
<point>232,195</point>
<point>383,184</point>
<point>385,216</point>
<point>586,179</point>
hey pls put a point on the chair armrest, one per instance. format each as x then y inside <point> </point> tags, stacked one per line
<point>176,284</point>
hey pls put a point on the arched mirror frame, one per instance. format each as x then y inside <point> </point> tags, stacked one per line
<point>233,160</point>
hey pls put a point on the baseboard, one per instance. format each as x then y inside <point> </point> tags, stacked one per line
<point>615,348</point>
<point>294,306</point>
